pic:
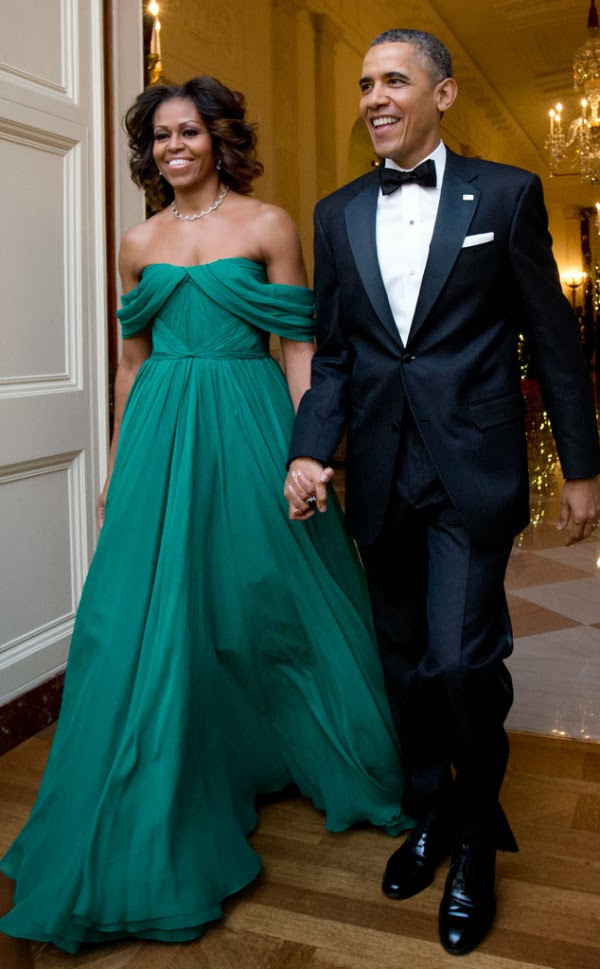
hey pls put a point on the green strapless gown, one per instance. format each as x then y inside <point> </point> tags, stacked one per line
<point>219,651</point>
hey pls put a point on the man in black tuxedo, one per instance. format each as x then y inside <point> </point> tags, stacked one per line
<point>426,271</point>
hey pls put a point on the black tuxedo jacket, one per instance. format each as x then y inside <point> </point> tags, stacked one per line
<point>490,275</point>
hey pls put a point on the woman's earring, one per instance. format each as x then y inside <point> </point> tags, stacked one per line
<point>218,165</point>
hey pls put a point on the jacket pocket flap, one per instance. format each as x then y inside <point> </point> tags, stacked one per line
<point>489,413</point>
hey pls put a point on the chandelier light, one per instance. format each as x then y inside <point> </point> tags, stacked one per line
<point>582,139</point>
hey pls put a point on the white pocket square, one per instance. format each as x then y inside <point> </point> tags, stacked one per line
<point>478,240</point>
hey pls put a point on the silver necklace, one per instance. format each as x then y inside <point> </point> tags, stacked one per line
<point>199,215</point>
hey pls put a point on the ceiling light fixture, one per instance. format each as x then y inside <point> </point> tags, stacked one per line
<point>583,134</point>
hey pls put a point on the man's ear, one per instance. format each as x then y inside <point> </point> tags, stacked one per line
<point>445,93</point>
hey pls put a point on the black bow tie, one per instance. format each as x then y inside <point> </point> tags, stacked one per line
<point>423,174</point>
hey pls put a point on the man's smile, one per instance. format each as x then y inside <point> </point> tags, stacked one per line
<point>385,120</point>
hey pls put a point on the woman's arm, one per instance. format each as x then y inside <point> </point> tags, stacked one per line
<point>297,359</point>
<point>284,262</point>
<point>136,349</point>
<point>282,254</point>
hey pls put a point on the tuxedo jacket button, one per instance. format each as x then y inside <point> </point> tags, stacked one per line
<point>408,357</point>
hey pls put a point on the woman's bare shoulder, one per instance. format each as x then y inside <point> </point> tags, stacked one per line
<point>136,243</point>
<point>272,226</point>
<point>277,242</point>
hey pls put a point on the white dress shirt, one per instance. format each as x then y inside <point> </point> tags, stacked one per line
<point>405,221</point>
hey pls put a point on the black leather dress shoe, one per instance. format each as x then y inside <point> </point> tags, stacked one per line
<point>412,867</point>
<point>469,903</point>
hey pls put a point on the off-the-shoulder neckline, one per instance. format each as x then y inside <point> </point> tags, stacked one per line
<point>200,265</point>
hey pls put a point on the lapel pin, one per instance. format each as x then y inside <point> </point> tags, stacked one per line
<point>468,198</point>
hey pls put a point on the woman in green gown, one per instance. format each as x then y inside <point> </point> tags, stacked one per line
<point>220,650</point>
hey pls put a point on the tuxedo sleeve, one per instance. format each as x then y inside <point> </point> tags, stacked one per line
<point>322,413</point>
<point>550,327</point>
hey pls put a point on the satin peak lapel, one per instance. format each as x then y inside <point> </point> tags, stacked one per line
<point>361,215</point>
<point>458,202</point>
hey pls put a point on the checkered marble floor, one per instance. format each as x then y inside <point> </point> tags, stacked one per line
<point>554,601</point>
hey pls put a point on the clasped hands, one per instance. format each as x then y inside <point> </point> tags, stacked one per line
<point>306,488</point>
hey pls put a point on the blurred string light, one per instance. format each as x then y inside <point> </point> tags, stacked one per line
<point>596,289</point>
<point>544,466</point>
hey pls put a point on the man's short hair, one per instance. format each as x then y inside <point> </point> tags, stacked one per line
<point>431,50</point>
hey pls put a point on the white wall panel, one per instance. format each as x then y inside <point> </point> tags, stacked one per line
<point>44,502</point>
<point>40,273</point>
<point>37,44</point>
<point>35,500</point>
<point>33,270</point>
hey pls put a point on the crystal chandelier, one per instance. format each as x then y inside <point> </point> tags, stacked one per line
<point>583,134</point>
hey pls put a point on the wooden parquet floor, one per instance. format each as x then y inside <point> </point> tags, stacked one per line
<point>318,905</point>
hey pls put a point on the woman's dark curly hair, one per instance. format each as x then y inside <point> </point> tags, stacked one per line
<point>223,112</point>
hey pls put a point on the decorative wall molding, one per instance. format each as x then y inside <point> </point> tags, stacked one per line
<point>68,148</point>
<point>65,88</point>
<point>52,637</point>
<point>536,12</point>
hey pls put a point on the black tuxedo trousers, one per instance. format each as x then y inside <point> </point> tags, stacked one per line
<point>443,631</point>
